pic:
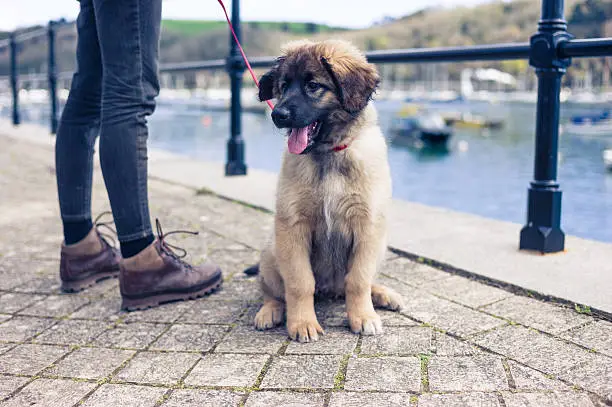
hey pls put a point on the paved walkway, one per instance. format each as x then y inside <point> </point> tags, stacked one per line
<point>459,342</point>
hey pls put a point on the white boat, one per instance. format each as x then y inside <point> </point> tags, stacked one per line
<point>607,158</point>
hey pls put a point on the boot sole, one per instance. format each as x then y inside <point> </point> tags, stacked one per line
<point>129,304</point>
<point>80,285</point>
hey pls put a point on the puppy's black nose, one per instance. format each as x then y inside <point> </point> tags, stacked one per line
<point>281,116</point>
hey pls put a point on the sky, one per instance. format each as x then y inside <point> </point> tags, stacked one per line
<point>344,13</point>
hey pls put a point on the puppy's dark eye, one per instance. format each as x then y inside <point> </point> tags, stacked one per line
<point>312,86</point>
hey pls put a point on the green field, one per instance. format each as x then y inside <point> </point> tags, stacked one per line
<point>193,27</point>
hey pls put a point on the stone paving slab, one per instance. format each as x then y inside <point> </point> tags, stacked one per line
<point>384,373</point>
<point>246,339</point>
<point>526,378</point>
<point>336,341</point>
<point>527,346</point>
<point>534,313</point>
<point>547,399</point>
<point>157,368</point>
<point>411,272</point>
<point>30,359</point>
<point>467,292</point>
<point>399,340</point>
<point>105,309</point>
<point>594,375</point>
<point>79,363</point>
<point>55,306</point>
<point>445,345</point>
<point>220,398</point>
<point>13,302</point>
<point>5,347</point>
<point>468,400</point>
<point>137,335</point>
<point>246,291</point>
<point>445,314</point>
<point>42,284</point>
<point>50,393</point>
<point>271,398</point>
<point>9,384</point>
<point>294,372</point>
<point>203,312</point>
<point>471,373</point>
<point>594,335</point>
<point>20,328</point>
<point>371,399</point>
<point>189,338</point>
<point>236,370</point>
<point>457,342</point>
<point>167,314</point>
<point>72,332</point>
<point>125,396</point>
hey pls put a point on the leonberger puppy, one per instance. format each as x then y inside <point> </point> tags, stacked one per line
<point>334,190</point>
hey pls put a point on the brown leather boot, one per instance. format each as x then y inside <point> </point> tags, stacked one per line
<point>158,275</point>
<point>86,262</point>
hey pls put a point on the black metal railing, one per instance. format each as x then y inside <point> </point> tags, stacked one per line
<point>548,51</point>
<point>14,44</point>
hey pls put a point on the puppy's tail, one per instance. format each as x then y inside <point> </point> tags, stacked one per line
<point>253,270</point>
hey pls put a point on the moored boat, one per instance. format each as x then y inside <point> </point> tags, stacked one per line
<point>420,129</point>
<point>590,125</point>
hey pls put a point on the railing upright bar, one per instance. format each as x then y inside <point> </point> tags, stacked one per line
<point>52,76</point>
<point>543,232</point>
<point>15,79</point>
<point>235,164</point>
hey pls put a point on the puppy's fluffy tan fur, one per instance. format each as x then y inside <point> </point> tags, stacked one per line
<point>330,231</point>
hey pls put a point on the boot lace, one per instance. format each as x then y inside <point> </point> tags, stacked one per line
<point>171,250</point>
<point>105,229</point>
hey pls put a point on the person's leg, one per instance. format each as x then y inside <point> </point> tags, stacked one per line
<point>85,256</point>
<point>77,131</point>
<point>129,33</point>
<point>151,273</point>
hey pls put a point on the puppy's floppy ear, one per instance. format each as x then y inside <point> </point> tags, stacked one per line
<point>267,82</point>
<point>355,83</point>
<point>359,86</point>
<point>266,85</point>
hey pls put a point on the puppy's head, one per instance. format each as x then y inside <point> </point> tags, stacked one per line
<point>319,87</point>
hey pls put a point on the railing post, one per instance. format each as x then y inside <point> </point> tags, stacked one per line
<point>235,66</point>
<point>14,79</point>
<point>52,73</point>
<point>543,230</point>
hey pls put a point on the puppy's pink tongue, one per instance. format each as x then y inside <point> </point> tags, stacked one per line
<point>298,140</point>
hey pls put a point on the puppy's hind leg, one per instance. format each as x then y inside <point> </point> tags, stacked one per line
<point>385,297</point>
<point>272,312</point>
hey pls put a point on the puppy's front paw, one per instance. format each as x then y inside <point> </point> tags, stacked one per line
<point>270,315</point>
<point>304,330</point>
<point>368,323</point>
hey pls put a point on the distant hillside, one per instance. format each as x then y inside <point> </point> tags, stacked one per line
<point>489,23</point>
<point>196,27</point>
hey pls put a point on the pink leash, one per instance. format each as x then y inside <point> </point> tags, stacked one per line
<point>246,61</point>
